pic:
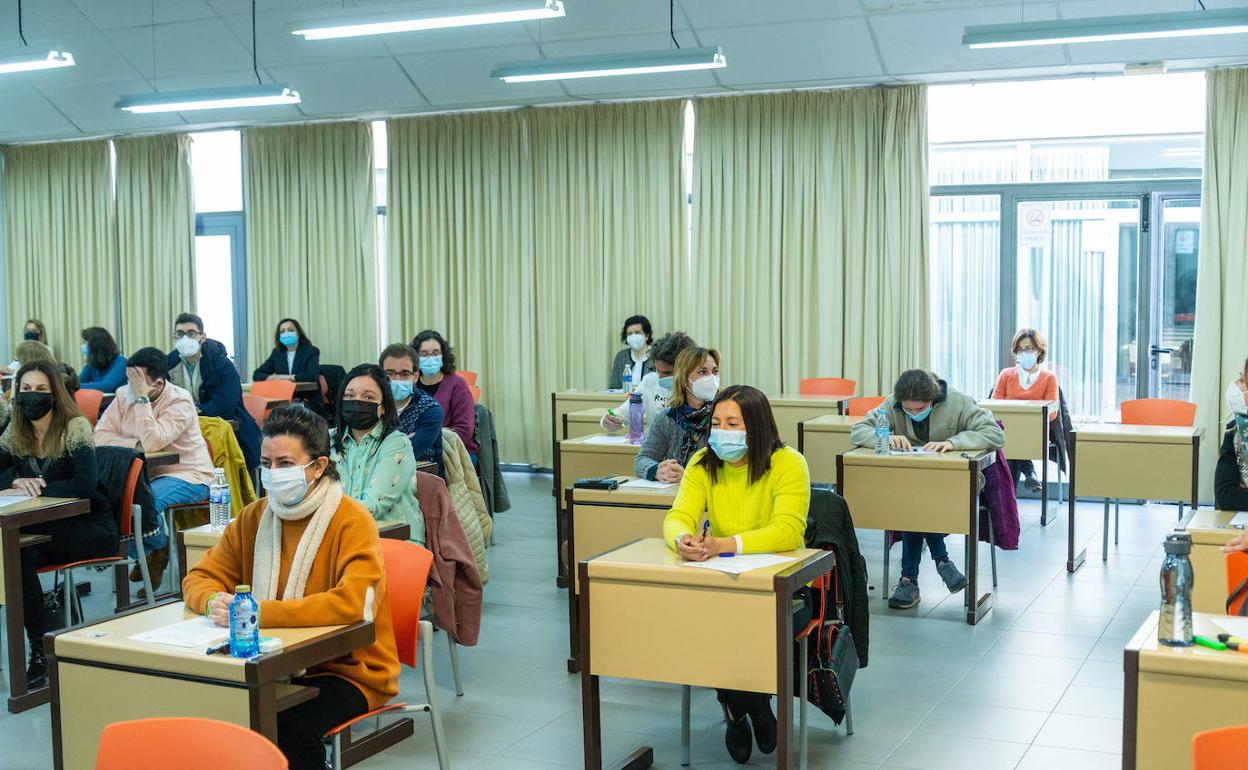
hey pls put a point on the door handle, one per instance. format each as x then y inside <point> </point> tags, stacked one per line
<point>1154,352</point>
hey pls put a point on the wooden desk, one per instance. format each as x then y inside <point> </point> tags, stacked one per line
<point>1026,437</point>
<point>159,459</point>
<point>1210,531</point>
<point>822,440</point>
<point>300,387</point>
<point>792,409</point>
<point>919,493</point>
<point>562,402</point>
<point>107,401</point>
<point>35,510</point>
<point>635,624</point>
<point>576,458</point>
<point>99,676</point>
<point>585,422</point>
<point>1150,462</point>
<point>194,542</point>
<point>1172,693</point>
<point>600,520</point>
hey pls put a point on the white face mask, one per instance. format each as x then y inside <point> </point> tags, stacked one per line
<point>188,347</point>
<point>636,341</point>
<point>706,388</point>
<point>288,486</point>
<point>1235,399</point>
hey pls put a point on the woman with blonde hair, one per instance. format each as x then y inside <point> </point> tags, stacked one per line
<point>683,429</point>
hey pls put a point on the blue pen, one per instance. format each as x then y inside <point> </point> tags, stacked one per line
<point>726,555</point>
<point>706,526</point>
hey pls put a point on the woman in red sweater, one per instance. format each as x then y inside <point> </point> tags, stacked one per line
<point>1028,380</point>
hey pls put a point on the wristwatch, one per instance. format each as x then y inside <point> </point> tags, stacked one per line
<point>143,400</point>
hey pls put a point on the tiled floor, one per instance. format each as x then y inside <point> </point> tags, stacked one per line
<point>1037,684</point>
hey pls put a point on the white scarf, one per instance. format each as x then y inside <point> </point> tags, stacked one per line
<point>321,503</point>
<point>1026,378</point>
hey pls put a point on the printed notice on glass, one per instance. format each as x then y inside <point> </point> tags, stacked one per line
<point>1034,220</point>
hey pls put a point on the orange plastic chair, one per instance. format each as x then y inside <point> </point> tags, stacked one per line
<point>469,377</point>
<point>89,403</point>
<point>1159,411</point>
<point>476,393</point>
<point>858,407</point>
<point>1236,573</point>
<point>407,568</point>
<point>826,386</point>
<point>1219,749</point>
<point>198,744</point>
<point>274,389</point>
<point>257,407</point>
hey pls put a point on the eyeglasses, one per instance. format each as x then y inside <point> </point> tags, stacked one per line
<point>180,335</point>
<point>430,355</point>
<point>405,374</point>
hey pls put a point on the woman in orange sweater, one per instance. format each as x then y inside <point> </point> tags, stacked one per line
<point>312,558</point>
<point>1027,381</point>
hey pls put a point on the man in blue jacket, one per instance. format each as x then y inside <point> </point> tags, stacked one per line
<point>200,365</point>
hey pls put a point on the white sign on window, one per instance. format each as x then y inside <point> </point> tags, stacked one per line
<point>1034,229</point>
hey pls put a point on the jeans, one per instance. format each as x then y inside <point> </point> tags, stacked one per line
<point>912,551</point>
<point>300,728</point>
<point>167,491</point>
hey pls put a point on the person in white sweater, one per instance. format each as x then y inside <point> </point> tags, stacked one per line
<point>655,387</point>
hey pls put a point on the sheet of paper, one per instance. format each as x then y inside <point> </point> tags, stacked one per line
<point>607,440</point>
<point>1240,520</point>
<point>742,562</point>
<point>1233,626</point>
<point>196,632</point>
<point>647,484</point>
<point>7,500</point>
<point>918,450</point>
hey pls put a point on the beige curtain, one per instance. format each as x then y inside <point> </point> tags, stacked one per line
<point>311,221</point>
<point>155,237</point>
<point>810,235</point>
<point>1221,343</point>
<point>60,241</point>
<point>526,237</point>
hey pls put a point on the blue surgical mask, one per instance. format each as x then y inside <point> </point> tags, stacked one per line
<point>921,416</point>
<point>402,389</point>
<point>288,338</point>
<point>728,445</point>
<point>431,365</point>
<point>666,383</point>
<point>1026,358</point>
<point>85,350</point>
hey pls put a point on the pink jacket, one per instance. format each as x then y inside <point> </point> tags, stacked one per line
<point>454,581</point>
<point>170,423</point>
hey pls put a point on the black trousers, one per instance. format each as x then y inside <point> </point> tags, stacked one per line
<point>1021,468</point>
<point>72,540</point>
<point>300,729</point>
<point>740,701</point>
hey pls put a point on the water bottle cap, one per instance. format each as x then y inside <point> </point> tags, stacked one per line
<point>242,589</point>
<point>634,398</point>
<point>1178,543</point>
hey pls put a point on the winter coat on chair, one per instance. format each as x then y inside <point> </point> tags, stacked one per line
<point>829,525</point>
<point>465,491</point>
<point>454,582</point>
<point>113,465</point>
<point>228,454</point>
<point>493,488</point>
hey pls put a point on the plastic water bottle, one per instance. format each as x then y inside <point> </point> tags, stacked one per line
<point>219,501</point>
<point>628,379</point>
<point>244,624</point>
<point>882,431</point>
<point>1175,628</point>
<point>636,419</point>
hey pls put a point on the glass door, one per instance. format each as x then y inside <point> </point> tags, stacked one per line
<point>1172,316</point>
<point>220,282</point>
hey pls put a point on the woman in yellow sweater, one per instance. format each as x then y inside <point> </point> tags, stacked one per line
<point>312,558</point>
<point>755,492</point>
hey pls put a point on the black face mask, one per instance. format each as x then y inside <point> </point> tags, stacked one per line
<point>34,405</point>
<point>31,335</point>
<point>361,415</point>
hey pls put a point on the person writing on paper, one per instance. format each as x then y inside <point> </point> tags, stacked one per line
<point>755,492</point>
<point>48,449</point>
<point>1028,381</point>
<point>312,558</point>
<point>925,412</point>
<point>656,386</point>
<point>638,335</point>
<point>1230,479</point>
<point>680,431</point>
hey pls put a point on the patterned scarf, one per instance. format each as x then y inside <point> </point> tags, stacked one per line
<point>1241,441</point>
<point>695,426</point>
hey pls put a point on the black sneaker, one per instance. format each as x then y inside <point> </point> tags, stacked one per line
<point>737,737</point>
<point>37,668</point>
<point>763,722</point>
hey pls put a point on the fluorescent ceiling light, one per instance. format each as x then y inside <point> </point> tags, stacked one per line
<point>54,60</point>
<point>541,9</point>
<point>1100,29</point>
<point>644,63</point>
<point>209,99</point>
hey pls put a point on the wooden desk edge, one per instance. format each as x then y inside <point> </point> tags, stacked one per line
<point>1131,690</point>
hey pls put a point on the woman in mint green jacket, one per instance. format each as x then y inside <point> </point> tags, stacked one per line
<point>373,457</point>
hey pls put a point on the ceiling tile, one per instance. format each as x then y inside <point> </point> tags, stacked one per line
<point>44,17</point>
<point>734,13</point>
<point>183,48</point>
<point>928,42</point>
<point>813,51</point>
<point>626,84</point>
<point>350,88</point>
<point>111,14</point>
<point>907,6</point>
<point>98,60</point>
<point>91,107</point>
<point>599,17</point>
<point>460,78</point>
<point>27,115</point>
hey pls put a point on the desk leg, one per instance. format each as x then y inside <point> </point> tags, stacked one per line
<point>20,699</point>
<point>1044,488</point>
<point>1073,561</point>
<point>784,676</point>
<point>561,532</point>
<point>574,626</point>
<point>976,606</point>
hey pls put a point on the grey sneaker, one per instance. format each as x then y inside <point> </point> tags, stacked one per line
<point>905,595</point>
<point>1031,484</point>
<point>955,581</point>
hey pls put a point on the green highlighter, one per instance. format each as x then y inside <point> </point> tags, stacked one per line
<point>1212,644</point>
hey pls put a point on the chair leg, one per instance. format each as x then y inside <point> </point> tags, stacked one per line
<point>803,688</point>
<point>885,588</point>
<point>685,692</point>
<point>849,717</point>
<point>992,548</point>
<point>137,513</point>
<point>435,715</point>
<point>174,568</point>
<point>1181,511</point>
<point>67,584</point>
<point>1105,533</point>
<point>1116,503</point>
<point>459,682</point>
<point>336,751</point>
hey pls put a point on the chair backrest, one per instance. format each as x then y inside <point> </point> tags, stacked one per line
<point>858,407</point>
<point>257,407</point>
<point>125,512</point>
<point>1236,573</point>
<point>273,389</point>
<point>198,744</point>
<point>826,386</point>
<point>89,403</point>
<point>469,377</point>
<point>407,570</point>
<point>1219,749</point>
<point>324,387</point>
<point>476,393</point>
<point>1159,411</point>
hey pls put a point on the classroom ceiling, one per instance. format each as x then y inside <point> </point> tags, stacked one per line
<point>770,44</point>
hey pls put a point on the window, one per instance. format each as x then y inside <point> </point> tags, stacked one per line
<point>217,171</point>
<point>220,247</point>
<point>381,165</point>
